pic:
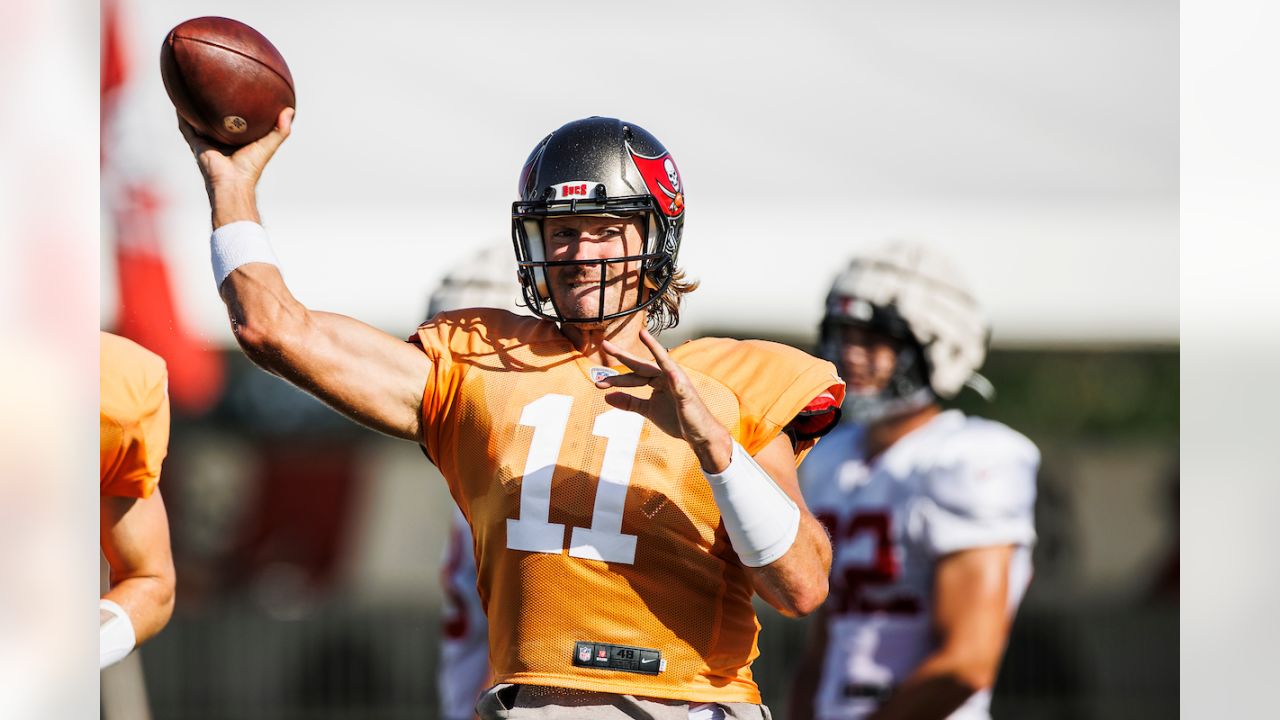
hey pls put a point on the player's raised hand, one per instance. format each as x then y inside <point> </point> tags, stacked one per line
<point>225,165</point>
<point>675,406</point>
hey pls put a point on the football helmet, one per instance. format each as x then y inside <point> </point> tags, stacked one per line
<point>603,167</point>
<point>486,279</point>
<point>915,295</point>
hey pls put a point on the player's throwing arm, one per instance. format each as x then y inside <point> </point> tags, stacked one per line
<point>369,376</point>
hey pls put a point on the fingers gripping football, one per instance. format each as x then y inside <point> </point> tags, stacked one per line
<point>225,165</point>
<point>675,405</point>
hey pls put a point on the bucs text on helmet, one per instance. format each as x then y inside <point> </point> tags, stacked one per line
<point>915,295</point>
<point>603,167</point>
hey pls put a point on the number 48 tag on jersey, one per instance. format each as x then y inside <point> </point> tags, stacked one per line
<point>606,656</point>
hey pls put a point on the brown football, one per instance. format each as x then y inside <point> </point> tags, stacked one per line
<point>225,78</point>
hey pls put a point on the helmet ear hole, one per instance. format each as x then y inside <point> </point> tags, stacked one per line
<point>537,253</point>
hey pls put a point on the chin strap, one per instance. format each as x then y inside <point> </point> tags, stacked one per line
<point>982,386</point>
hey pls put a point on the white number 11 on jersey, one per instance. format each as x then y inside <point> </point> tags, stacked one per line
<point>604,540</point>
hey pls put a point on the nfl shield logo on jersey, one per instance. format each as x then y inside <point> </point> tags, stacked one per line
<point>600,373</point>
<point>584,652</point>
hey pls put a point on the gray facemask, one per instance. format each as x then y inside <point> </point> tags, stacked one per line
<point>907,391</point>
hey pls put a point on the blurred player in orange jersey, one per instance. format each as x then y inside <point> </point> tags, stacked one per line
<point>930,511</point>
<point>625,501</point>
<point>134,530</point>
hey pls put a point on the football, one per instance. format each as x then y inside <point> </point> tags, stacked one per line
<point>225,78</point>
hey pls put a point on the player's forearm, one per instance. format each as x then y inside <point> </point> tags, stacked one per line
<point>148,599</point>
<point>265,317</point>
<point>939,685</point>
<point>796,583</point>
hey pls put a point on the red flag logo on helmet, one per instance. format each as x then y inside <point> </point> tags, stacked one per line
<point>663,180</point>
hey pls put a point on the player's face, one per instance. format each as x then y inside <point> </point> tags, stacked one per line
<point>867,359</point>
<point>576,288</point>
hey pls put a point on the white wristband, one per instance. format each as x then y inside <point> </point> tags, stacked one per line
<point>115,636</point>
<point>761,519</point>
<point>236,244</point>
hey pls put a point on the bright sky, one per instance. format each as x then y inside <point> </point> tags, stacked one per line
<point>1038,143</point>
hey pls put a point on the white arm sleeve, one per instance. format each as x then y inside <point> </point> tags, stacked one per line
<point>760,519</point>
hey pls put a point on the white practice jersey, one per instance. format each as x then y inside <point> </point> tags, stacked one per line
<point>955,483</point>
<point>464,646</point>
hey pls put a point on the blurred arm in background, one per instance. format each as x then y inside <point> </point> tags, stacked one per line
<point>133,410</point>
<point>971,622</point>
<point>135,541</point>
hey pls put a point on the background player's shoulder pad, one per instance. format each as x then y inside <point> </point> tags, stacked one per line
<point>125,361</point>
<point>133,380</point>
<point>984,469</point>
<point>134,417</point>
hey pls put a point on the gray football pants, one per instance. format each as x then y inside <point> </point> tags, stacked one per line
<point>534,702</point>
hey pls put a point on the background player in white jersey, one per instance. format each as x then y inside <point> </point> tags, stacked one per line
<point>487,279</point>
<point>930,511</point>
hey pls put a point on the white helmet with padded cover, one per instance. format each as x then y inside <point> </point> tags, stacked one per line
<point>486,279</point>
<point>910,291</point>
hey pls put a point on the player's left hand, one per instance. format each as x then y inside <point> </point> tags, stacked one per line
<point>675,406</point>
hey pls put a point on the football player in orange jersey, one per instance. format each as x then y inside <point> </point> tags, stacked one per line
<point>134,531</point>
<point>625,501</point>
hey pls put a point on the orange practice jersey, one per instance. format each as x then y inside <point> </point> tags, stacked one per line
<point>133,417</point>
<point>591,525</point>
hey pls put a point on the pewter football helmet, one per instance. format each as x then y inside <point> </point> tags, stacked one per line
<point>605,167</point>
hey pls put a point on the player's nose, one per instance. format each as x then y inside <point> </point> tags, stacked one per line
<point>585,247</point>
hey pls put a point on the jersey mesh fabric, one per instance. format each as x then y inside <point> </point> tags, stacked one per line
<point>133,417</point>
<point>685,592</point>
